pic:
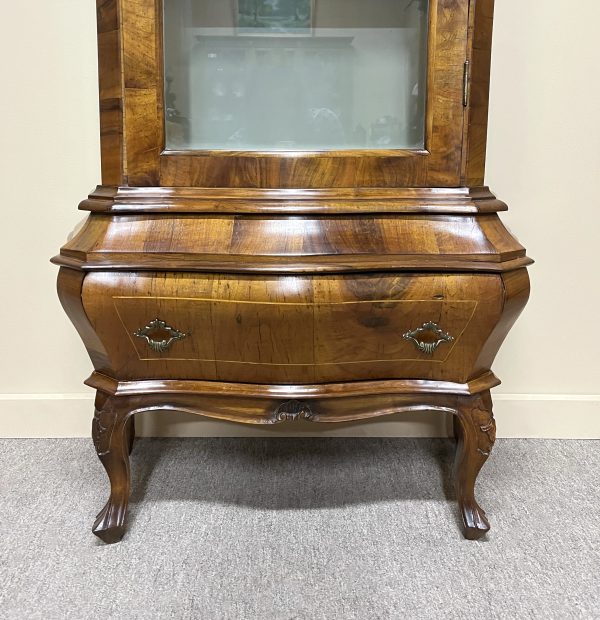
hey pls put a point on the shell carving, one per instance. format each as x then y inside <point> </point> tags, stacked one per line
<point>293,410</point>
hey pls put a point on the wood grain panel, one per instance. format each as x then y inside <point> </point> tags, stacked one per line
<point>293,329</point>
<point>309,243</point>
<point>192,317</point>
<point>214,169</point>
<point>480,37</point>
<point>516,294</point>
<point>110,78</point>
<point>339,326</point>
<point>130,80</point>
<point>69,287</point>
<point>143,90</point>
<point>142,136</point>
<point>354,331</point>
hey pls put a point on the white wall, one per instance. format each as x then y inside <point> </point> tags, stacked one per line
<point>543,159</point>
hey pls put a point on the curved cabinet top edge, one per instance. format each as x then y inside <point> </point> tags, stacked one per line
<point>355,201</point>
<point>351,264</point>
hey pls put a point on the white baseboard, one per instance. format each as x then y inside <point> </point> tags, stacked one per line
<point>518,415</point>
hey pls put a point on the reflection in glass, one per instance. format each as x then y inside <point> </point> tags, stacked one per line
<point>295,75</point>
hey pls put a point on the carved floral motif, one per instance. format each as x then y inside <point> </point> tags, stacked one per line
<point>103,426</point>
<point>483,420</point>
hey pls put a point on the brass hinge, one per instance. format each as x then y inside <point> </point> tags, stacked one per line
<point>466,82</point>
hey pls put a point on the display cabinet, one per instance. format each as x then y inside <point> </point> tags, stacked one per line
<point>292,222</point>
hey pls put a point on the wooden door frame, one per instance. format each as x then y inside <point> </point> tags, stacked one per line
<point>132,118</point>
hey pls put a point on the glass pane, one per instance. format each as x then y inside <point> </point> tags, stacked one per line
<point>295,75</point>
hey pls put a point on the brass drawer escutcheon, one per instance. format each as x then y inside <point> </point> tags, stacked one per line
<point>160,346</point>
<point>428,347</point>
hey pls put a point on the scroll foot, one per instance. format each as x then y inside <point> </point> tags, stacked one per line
<point>109,525</point>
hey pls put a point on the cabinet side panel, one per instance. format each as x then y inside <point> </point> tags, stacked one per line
<point>70,287</point>
<point>111,91</point>
<point>142,79</point>
<point>516,294</point>
<point>481,24</point>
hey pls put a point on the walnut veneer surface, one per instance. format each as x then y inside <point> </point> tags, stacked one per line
<point>268,287</point>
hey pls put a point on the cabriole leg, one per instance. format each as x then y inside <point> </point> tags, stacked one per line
<point>475,430</point>
<point>112,434</point>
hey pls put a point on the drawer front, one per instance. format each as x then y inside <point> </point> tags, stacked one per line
<point>293,329</point>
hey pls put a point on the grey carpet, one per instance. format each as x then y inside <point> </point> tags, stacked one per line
<point>300,529</point>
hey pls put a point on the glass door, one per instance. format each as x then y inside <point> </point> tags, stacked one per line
<point>295,75</point>
<point>289,94</point>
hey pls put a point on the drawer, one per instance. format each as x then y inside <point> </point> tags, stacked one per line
<point>292,329</point>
